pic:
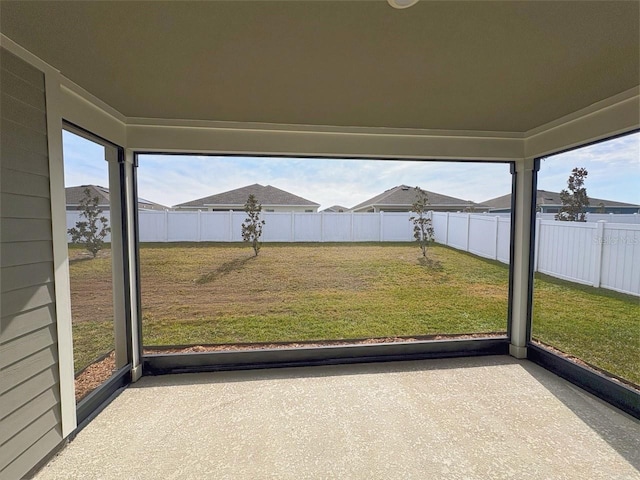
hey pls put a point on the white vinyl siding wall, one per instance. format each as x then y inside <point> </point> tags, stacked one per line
<point>30,416</point>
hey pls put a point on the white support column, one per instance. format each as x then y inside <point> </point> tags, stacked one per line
<point>536,251</point>
<point>521,251</point>
<point>136,346</point>
<point>60,255</point>
<point>117,256</point>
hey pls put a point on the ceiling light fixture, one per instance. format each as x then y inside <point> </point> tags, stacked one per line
<point>400,4</point>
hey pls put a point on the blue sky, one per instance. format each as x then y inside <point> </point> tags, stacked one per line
<point>613,166</point>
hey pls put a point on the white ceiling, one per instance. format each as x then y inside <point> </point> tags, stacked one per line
<point>490,66</point>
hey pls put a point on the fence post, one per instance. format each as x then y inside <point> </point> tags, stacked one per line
<point>231,225</point>
<point>321,227</point>
<point>536,248</point>
<point>166,225</point>
<point>497,233</point>
<point>599,247</point>
<point>446,229</point>
<point>381,225</point>
<point>351,231</point>
<point>199,235</point>
<point>293,226</point>
<point>468,229</point>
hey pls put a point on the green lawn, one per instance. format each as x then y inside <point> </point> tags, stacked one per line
<point>220,293</point>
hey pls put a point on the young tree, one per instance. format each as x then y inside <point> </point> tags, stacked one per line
<point>575,200</point>
<point>422,227</point>
<point>252,226</point>
<point>92,231</point>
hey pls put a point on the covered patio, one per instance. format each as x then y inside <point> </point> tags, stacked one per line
<point>510,82</point>
<point>476,418</point>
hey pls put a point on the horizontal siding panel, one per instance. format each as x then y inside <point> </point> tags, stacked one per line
<point>22,276</point>
<point>16,157</point>
<point>23,114</point>
<point>16,87</point>
<point>20,348</point>
<point>25,253</point>
<point>14,326</point>
<point>33,141</point>
<point>21,69</point>
<point>19,206</point>
<point>13,399</point>
<point>24,229</point>
<point>23,370</point>
<point>19,467</point>
<point>28,298</point>
<point>21,183</point>
<point>21,417</point>
<point>28,436</point>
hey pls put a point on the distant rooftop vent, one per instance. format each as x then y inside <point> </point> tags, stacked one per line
<point>405,188</point>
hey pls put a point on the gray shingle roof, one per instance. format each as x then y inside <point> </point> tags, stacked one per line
<point>544,197</point>
<point>404,195</point>
<point>265,195</point>
<point>75,194</point>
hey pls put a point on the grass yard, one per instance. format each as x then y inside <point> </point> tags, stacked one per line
<point>220,293</point>
<point>599,326</point>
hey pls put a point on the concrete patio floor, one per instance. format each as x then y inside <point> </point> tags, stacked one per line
<point>462,418</point>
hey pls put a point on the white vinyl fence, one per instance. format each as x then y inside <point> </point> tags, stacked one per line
<point>601,254</point>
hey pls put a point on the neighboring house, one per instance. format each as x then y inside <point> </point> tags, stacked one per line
<point>75,194</point>
<point>549,202</point>
<point>402,198</point>
<point>336,209</point>
<point>271,198</point>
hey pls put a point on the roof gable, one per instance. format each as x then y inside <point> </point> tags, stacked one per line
<point>545,197</point>
<point>405,195</point>
<point>75,194</point>
<point>266,195</point>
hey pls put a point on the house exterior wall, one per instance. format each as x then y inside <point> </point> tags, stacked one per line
<point>30,411</point>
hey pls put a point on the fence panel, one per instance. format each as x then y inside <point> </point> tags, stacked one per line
<point>620,267</point>
<point>458,233</point>
<point>307,227</point>
<point>483,238</point>
<point>366,227</point>
<point>504,239</point>
<point>566,250</point>
<point>440,223</point>
<point>215,226</point>
<point>337,227</point>
<point>277,227</point>
<point>396,227</point>
<point>152,226</point>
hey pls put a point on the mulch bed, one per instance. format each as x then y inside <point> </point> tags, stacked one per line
<point>94,375</point>
<point>99,372</point>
